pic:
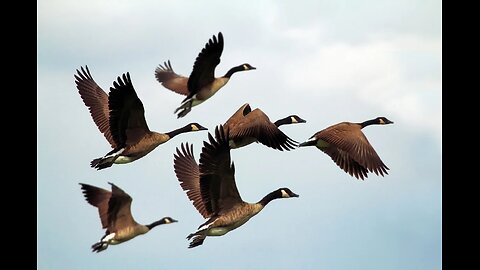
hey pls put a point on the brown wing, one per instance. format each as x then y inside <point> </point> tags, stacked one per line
<point>238,116</point>
<point>119,213</point>
<point>99,198</point>
<point>350,150</point>
<point>188,175</point>
<point>96,100</point>
<point>171,80</point>
<point>346,162</point>
<point>257,124</point>
<point>127,115</point>
<point>217,180</point>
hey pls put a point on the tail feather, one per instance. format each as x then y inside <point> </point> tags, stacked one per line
<point>108,159</point>
<point>197,241</point>
<point>198,238</point>
<point>99,246</point>
<point>102,163</point>
<point>185,109</point>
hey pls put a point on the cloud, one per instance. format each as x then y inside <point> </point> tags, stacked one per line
<point>379,73</point>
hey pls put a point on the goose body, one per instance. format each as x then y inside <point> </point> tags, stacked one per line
<point>120,116</point>
<point>211,188</point>
<point>247,126</point>
<point>202,83</point>
<point>114,208</point>
<point>349,148</point>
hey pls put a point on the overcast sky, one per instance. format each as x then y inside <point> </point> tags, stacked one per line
<point>327,61</point>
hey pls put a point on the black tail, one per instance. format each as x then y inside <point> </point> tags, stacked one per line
<point>185,109</point>
<point>102,163</point>
<point>197,241</point>
<point>198,238</point>
<point>99,246</point>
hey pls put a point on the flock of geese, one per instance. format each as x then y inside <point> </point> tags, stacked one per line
<point>210,184</point>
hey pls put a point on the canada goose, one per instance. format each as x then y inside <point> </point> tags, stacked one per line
<point>246,126</point>
<point>212,189</point>
<point>201,84</point>
<point>116,216</point>
<point>346,144</point>
<point>120,116</point>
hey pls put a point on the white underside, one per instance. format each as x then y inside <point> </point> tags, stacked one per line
<point>195,101</point>
<point>217,231</point>
<point>123,160</point>
<point>109,239</point>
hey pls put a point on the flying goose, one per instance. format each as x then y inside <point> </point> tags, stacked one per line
<point>201,84</point>
<point>212,189</point>
<point>246,126</point>
<point>115,214</point>
<point>120,116</point>
<point>348,147</point>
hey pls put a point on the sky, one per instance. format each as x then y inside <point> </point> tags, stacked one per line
<point>326,61</point>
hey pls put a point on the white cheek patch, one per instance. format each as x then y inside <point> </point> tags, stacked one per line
<point>382,122</point>
<point>294,120</point>
<point>245,67</point>
<point>195,128</point>
<point>285,194</point>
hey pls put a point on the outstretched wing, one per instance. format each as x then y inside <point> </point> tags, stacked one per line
<point>96,100</point>
<point>171,80</point>
<point>99,198</point>
<point>119,210</point>
<point>188,175</point>
<point>217,180</point>
<point>127,115</point>
<point>207,60</point>
<point>351,151</point>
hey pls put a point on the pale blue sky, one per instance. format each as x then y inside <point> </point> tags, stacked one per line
<point>327,61</point>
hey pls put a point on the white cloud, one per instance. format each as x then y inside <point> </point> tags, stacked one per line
<point>378,73</point>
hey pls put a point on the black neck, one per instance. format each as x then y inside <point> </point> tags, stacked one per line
<point>156,223</point>
<point>369,122</point>
<point>175,132</point>
<point>283,121</point>
<point>233,70</point>
<point>269,197</point>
